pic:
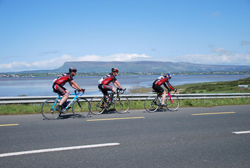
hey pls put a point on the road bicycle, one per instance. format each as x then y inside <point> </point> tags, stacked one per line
<point>152,103</point>
<point>100,104</point>
<point>80,107</point>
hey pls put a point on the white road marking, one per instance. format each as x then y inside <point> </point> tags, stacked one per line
<point>242,132</point>
<point>57,149</point>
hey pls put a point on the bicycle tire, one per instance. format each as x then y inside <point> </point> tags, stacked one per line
<point>122,105</point>
<point>172,106</point>
<point>47,111</point>
<point>150,105</point>
<point>96,103</point>
<point>81,108</point>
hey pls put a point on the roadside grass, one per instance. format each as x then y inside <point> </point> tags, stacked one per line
<point>14,109</point>
<point>18,109</point>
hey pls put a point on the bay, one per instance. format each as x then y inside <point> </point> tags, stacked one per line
<point>42,86</point>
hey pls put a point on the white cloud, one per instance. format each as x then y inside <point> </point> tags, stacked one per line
<point>57,62</point>
<point>220,56</point>
<point>217,14</point>
<point>221,51</point>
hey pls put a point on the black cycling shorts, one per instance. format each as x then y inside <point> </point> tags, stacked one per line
<point>158,88</point>
<point>59,89</point>
<point>104,89</point>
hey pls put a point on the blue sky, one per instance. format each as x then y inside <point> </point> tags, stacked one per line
<point>43,34</point>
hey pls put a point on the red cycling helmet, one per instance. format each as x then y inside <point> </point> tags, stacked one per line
<point>114,70</point>
<point>72,69</point>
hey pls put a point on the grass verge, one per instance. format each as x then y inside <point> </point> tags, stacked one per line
<point>17,109</point>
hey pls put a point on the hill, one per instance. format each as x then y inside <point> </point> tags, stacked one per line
<point>141,66</point>
<point>146,66</point>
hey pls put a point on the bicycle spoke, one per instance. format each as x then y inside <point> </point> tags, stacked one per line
<point>81,108</point>
<point>48,111</point>
<point>173,106</point>
<point>151,104</point>
<point>122,105</point>
<point>97,105</point>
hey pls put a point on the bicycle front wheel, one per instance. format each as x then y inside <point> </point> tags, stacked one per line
<point>97,105</point>
<point>174,104</point>
<point>122,105</point>
<point>48,109</point>
<point>151,104</point>
<point>81,108</point>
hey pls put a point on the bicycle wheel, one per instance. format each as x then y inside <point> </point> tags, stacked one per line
<point>172,106</point>
<point>97,105</point>
<point>81,108</point>
<point>151,104</point>
<point>122,105</point>
<point>48,110</point>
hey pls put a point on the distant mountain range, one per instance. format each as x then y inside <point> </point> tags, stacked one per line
<point>141,66</point>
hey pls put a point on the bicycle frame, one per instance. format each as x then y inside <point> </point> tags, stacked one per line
<point>118,92</point>
<point>170,97</point>
<point>59,98</point>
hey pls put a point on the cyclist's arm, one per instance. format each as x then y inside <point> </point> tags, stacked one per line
<point>170,86</point>
<point>165,85</point>
<point>117,84</point>
<point>74,85</point>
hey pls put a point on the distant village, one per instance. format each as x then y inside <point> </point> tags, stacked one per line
<point>14,76</point>
<point>29,75</point>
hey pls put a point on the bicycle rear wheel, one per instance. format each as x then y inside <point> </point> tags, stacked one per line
<point>122,105</point>
<point>151,104</point>
<point>81,108</point>
<point>48,109</point>
<point>172,106</point>
<point>97,105</point>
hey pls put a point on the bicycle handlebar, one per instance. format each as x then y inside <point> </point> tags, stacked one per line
<point>120,91</point>
<point>77,92</point>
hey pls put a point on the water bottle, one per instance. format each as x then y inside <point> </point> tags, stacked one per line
<point>64,104</point>
<point>68,103</point>
<point>107,100</point>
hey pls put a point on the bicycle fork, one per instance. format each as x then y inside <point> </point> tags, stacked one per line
<point>170,98</point>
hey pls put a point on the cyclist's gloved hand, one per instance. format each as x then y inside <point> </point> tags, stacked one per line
<point>83,90</point>
<point>119,88</point>
<point>175,90</point>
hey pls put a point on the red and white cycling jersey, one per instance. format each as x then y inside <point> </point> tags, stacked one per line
<point>64,78</point>
<point>163,80</point>
<point>108,78</point>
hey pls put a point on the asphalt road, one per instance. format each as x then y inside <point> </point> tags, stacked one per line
<point>185,138</point>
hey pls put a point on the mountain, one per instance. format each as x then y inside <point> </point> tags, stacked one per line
<point>140,66</point>
<point>146,66</point>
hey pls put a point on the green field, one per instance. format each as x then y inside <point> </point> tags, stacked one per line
<point>210,87</point>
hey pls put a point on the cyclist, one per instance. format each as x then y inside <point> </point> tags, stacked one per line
<point>104,85</point>
<point>165,81</point>
<point>60,82</point>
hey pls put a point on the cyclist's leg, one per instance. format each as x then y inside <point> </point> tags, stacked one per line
<point>64,92</point>
<point>163,96</point>
<point>104,92</point>
<point>160,91</point>
<point>109,88</point>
